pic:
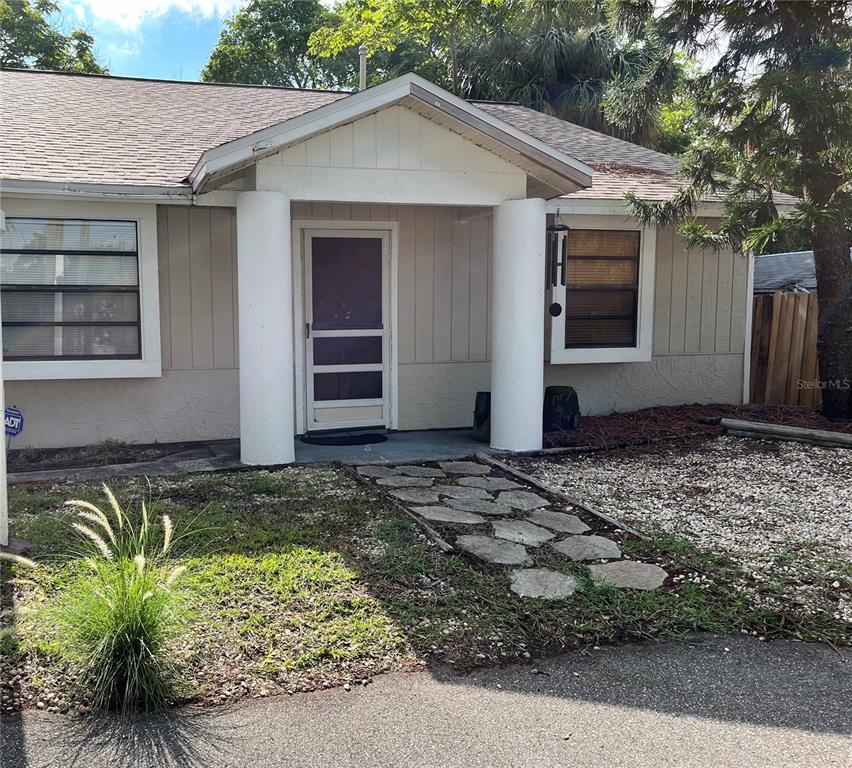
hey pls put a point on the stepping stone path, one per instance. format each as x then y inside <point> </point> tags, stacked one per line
<point>444,515</point>
<point>415,495</point>
<point>588,548</point>
<point>558,521</point>
<point>460,492</point>
<point>489,483</point>
<point>464,468</point>
<point>543,583</point>
<point>376,470</point>
<point>628,574</point>
<point>493,550</point>
<point>398,481</point>
<point>484,506</point>
<point>523,500</point>
<point>522,532</point>
<point>469,495</point>
<point>421,472</point>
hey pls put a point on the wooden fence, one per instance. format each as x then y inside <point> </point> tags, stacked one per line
<point>784,350</point>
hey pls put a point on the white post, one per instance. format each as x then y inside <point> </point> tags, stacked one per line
<point>265,287</point>
<point>4,495</point>
<point>517,325</point>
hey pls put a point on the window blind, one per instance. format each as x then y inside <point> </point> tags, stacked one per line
<point>70,289</point>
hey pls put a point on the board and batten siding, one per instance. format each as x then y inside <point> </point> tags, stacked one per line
<point>444,273</point>
<point>392,139</point>
<point>700,299</point>
<point>198,288</point>
<point>443,309</point>
<point>700,306</point>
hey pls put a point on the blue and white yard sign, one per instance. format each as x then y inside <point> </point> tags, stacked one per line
<point>14,422</point>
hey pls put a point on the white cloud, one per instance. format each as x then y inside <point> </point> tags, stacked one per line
<point>130,14</point>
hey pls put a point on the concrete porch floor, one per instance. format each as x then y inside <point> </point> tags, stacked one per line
<point>427,445</point>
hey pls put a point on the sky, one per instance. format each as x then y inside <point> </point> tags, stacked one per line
<point>169,39</point>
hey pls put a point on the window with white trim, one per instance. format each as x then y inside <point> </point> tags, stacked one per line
<point>70,289</point>
<point>603,304</point>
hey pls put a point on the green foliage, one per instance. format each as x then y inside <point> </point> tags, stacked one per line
<point>30,39</point>
<point>267,43</point>
<point>559,57</point>
<point>115,619</point>
<point>773,113</point>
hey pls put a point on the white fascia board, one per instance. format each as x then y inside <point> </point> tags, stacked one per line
<point>270,140</point>
<point>612,207</point>
<point>62,189</point>
<point>615,207</point>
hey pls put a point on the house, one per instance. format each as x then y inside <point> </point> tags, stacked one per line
<point>186,261</point>
<point>794,271</point>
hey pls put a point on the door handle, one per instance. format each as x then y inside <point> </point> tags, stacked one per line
<point>307,330</point>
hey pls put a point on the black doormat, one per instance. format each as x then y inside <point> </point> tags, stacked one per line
<point>344,438</point>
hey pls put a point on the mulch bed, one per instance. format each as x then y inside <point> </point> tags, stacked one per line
<point>681,421</point>
<point>97,455</point>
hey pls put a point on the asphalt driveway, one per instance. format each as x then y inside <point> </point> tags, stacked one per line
<point>722,702</point>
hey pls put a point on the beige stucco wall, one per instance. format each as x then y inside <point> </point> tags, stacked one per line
<point>181,405</point>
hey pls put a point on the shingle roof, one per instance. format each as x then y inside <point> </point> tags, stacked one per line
<point>785,272</point>
<point>113,130</point>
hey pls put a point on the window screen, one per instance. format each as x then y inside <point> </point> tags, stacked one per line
<point>602,283</point>
<point>70,289</point>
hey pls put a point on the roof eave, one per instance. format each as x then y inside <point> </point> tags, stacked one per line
<point>229,157</point>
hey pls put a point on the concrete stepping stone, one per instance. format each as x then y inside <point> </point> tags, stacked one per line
<point>523,500</point>
<point>415,495</point>
<point>464,467</point>
<point>522,532</point>
<point>483,506</point>
<point>493,550</point>
<point>489,483</point>
<point>415,471</point>
<point>400,481</point>
<point>543,583</point>
<point>460,492</point>
<point>376,470</point>
<point>629,574</point>
<point>592,547</point>
<point>558,521</point>
<point>446,515</point>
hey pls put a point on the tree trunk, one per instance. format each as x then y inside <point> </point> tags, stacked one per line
<point>834,333</point>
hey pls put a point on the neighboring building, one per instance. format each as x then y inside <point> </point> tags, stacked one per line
<point>793,271</point>
<point>189,261</point>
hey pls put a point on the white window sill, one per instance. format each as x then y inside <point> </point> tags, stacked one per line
<point>600,355</point>
<point>38,370</point>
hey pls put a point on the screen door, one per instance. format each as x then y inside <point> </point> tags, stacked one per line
<point>346,306</point>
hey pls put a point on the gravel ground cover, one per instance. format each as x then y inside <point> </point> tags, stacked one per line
<point>780,512</point>
<point>305,578</point>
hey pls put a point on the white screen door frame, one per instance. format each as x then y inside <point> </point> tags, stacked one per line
<point>347,413</point>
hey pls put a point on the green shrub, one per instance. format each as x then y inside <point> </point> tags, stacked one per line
<point>115,620</point>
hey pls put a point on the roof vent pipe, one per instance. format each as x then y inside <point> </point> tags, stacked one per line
<point>362,67</point>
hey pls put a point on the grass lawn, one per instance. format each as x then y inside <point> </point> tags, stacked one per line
<point>304,578</point>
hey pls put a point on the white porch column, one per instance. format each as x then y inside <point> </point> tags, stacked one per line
<point>265,287</point>
<point>517,325</point>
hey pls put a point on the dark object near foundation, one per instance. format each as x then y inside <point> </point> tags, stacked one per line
<point>482,417</point>
<point>561,409</point>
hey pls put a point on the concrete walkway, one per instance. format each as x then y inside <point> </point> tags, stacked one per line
<point>427,445</point>
<point>727,702</point>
